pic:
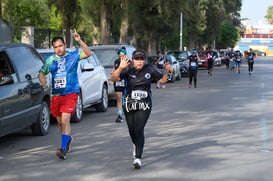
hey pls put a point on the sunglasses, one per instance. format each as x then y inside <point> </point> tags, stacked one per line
<point>139,58</point>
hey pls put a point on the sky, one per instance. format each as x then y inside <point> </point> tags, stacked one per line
<point>255,10</point>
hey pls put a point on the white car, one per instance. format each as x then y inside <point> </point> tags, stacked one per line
<point>176,75</point>
<point>217,59</point>
<point>93,84</point>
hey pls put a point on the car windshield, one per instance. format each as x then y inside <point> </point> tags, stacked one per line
<point>181,56</point>
<point>45,55</point>
<point>151,59</point>
<point>106,56</point>
<point>202,54</point>
<point>222,53</point>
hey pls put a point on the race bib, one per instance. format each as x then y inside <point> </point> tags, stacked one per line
<point>120,83</point>
<point>59,82</point>
<point>139,94</point>
<point>193,64</point>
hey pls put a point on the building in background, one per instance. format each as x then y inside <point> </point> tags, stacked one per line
<point>258,37</point>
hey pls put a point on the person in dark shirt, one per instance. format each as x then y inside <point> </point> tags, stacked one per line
<point>161,63</point>
<point>119,85</point>
<point>210,57</point>
<point>250,60</point>
<point>137,97</point>
<point>238,61</point>
<point>193,67</point>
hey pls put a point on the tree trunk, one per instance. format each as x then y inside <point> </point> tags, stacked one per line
<point>124,24</point>
<point>68,37</point>
<point>105,24</point>
<point>151,44</point>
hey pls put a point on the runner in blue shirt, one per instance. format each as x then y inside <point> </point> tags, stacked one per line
<point>65,86</point>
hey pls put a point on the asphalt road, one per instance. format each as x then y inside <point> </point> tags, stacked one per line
<point>220,131</point>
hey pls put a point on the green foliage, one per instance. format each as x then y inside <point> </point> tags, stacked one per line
<point>228,36</point>
<point>269,15</point>
<point>149,22</point>
<point>20,13</point>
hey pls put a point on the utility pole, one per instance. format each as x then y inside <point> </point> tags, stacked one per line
<point>181,31</point>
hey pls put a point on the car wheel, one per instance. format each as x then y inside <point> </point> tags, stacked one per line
<point>178,76</point>
<point>41,126</point>
<point>103,105</point>
<point>77,116</point>
<point>172,77</point>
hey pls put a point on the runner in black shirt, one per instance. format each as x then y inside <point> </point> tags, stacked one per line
<point>119,85</point>
<point>250,60</point>
<point>193,66</point>
<point>137,102</point>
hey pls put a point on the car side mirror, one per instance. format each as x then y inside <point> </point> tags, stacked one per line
<point>87,67</point>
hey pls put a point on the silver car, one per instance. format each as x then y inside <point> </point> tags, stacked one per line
<point>176,75</point>
<point>107,54</point>
<point>93,84</point>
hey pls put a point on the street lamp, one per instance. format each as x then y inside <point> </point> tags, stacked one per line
<point>181,30</point>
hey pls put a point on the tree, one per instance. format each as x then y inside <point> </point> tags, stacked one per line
<point>70,12</point>
<point>195,21</point>
<point>228,36</point>
<point>28,12</point>
<point>269,15</point>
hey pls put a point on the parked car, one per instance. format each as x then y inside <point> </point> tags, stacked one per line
<point>93,84</point>
<point>182,57</point>
<point>151,60</point>
<point>107,54</point>
<point>223,55</point>
<point>23,101</point>
<point>217,59</point>
<point>176,75</point>
<point>202,62</point>
<point>259,53</point>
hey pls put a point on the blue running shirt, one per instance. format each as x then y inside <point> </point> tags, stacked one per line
<point>64,72</point>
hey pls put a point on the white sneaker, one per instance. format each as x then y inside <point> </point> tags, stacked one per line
<point>163,86</point>
<point>137,163</point>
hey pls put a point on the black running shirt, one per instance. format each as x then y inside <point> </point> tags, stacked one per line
<point>140,80</point>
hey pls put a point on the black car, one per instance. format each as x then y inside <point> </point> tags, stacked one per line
<point>23,101</point>
<point>182,57</point>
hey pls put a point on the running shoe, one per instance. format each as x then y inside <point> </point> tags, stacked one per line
<point>61,153</point>
<point>119,119</point>
<point>163,86</point>
<point>68,147</point>
<point>189,85</point>
<point>137,163</point>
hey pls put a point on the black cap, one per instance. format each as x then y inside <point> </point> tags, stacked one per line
<point>139,53</point>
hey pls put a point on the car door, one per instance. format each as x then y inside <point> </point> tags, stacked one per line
<point>17,103</point>
<point>175,65</point>
<point>88,80</point>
